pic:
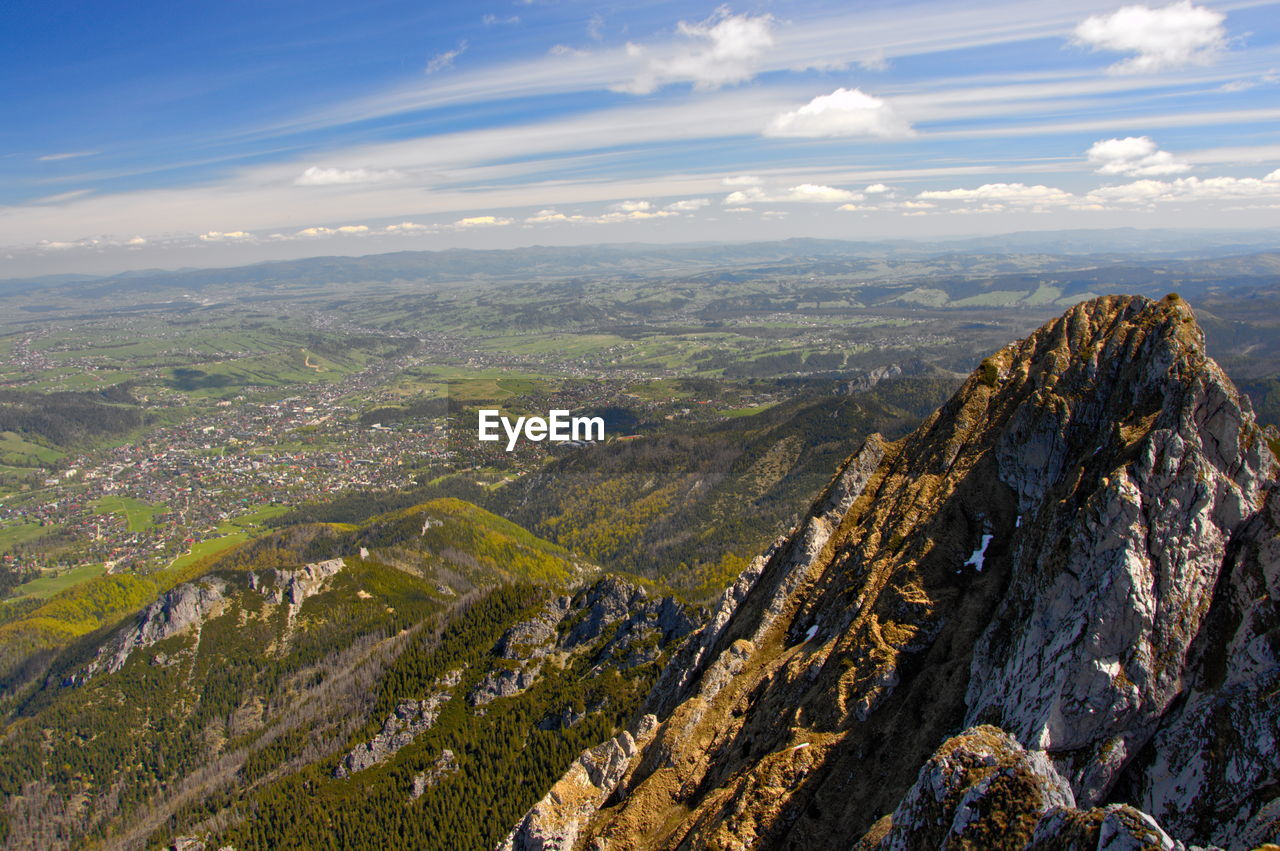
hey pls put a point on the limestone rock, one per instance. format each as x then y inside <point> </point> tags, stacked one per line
<point>1113,664</point>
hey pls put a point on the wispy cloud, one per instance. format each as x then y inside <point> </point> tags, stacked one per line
<point>69,155</point>
<point>441,61</point>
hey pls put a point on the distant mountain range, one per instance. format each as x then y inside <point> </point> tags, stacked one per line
<point>1099,246</point>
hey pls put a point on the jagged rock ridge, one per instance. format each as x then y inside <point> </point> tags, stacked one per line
<point>1111,656</point>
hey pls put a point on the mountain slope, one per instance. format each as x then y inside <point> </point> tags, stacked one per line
<point>1051,605</point>
<point>271,659</point>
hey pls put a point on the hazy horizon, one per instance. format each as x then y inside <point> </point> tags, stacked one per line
<point>203,136</point>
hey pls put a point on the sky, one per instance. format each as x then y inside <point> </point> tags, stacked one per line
<point>155,134</point>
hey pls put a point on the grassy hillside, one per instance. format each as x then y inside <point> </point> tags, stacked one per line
<point>284,641</point>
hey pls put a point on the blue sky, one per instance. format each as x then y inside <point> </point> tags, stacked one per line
<point>165,134</point>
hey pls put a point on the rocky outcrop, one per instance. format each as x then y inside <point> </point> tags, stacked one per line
<point>983,790</point>
<point>410,719</point>
<point>555,821</point>
<point>617,620</point>
<point>1074,560</point>
<point>179,610</point>
<point>444,765</point>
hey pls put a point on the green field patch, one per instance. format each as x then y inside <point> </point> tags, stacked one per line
<point>12,536</point>
<point>47,586</point>
<point>748,411</point>
<point>16,451</point>
<point>204,549</point>
<point>138,514</point>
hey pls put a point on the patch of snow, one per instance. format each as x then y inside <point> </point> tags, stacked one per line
<point>813,630</point>
<point>1019,523</point>
<point>980,554</point>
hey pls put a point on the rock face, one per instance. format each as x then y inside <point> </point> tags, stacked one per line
<point>1075,561</point>
<point>636,629</point>
<point>181,609</point>
<point>410,719</point>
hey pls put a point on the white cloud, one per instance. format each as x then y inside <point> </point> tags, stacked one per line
<point>1189,188</point>
<point>482,222</point>
<point>688,205</point>
<point>338,231</point>
<point>814,192</point>
<point>67,155</point>
<point>803,193</point>
<point>547,217</point>
<point>408,227</point>
<point>878,189</point>
<point>1134,156</point>
<point>441,61</point>
<point>230,236</point>
<point>137,241</point>
<point>1169,37</point>
<point>726,49</point>
<point>844,112</point>
<point>1009,193</point>
<point>62,196</point>
<point>741,180</point>
<point>494,20</point>
<point>317,176</point>
<point>627,212</point>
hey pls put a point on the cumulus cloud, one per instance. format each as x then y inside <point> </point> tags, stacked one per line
<point>338,231</point>
<point>482,222</point>
<point>1169,37</point>
<point>722,50</point>
<point>137,242</point>
<point>408,227</point>
<point>878,189</point>
<point>844,112</point>
<point>633,211</point>
<point>1189,188</point>
<point>441,61</point>
<point>804,193</point>
<point>317,176</point>
<point>1008,193</point>
<point>229,236</point>
<point>1133,156</point>
<point>688,205</point>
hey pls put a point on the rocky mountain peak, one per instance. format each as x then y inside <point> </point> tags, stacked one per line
<point>1073,563</point>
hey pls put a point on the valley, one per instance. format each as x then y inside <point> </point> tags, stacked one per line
<point>265,588</point>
